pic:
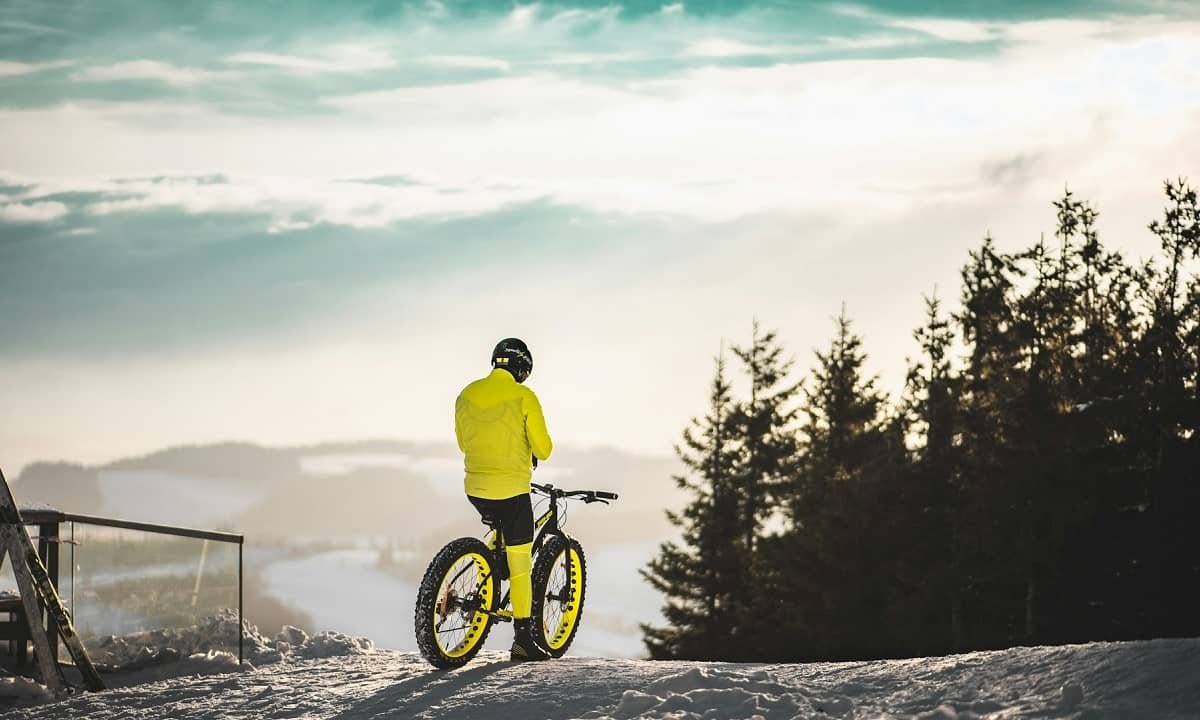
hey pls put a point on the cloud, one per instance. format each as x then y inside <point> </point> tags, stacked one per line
<point>576,17</point>
<point>435,8</point>
<point>873,41</point>
<point>860,138</point>
<point>477,62</point>
<point>287,204</point>
<point>533,97</point>
<point>855,11</point>
<point>947,29</point>
<point>723,48</point>
<point>26,27</point>
<point>345,58</point>
<point>675,8</point>
<point>32,213</point>
<point>287,225</point>
<point>964,31</point>
<point>522,16</point>
<point>1015,170</point>
<point>151,70</point>
<point>75,232</point>
<point>582,58</point>
<point>13,69</point>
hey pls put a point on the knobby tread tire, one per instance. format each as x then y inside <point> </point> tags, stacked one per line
<point>542,568</point>
<point>427,597</point>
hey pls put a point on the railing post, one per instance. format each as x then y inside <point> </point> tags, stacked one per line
<point>48,545</point>
<point>241,631</point>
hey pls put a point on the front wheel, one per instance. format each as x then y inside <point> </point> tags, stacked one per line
<point>559,583</point>
<point>459,587</point>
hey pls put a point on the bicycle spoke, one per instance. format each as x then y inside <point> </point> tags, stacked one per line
<point>461,586</point>
<point>470,564</point>
<point>558,595</point>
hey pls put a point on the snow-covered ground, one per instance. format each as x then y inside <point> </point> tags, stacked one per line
<point>1157,679</point>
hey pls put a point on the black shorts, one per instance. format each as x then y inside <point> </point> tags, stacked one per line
<point>513,516</point>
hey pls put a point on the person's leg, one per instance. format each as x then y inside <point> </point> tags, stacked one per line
<point>518,536</point>
<point>513,517</point>
<point>492,513</point>
<point>520,586</point>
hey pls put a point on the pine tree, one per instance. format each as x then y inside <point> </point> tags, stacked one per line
<point>1093,415</point>
<point>931,406</point>
<point>1173,482</point>
<point>838,508</point>
<point>767,437</point>
<point>991,376</point>
<point>765,427</point>
<point>1040,444</point>
<point>701,578</point>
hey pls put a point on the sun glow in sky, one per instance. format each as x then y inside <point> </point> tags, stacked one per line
<point>304,221</point>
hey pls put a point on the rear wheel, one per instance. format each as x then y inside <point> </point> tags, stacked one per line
<point>459,586</point>
<point>559,583</point>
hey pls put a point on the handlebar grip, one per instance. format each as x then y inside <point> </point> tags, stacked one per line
<point>606,495</point>
<point>535,462</point>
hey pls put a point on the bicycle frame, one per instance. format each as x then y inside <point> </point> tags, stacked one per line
<point>544,525</point>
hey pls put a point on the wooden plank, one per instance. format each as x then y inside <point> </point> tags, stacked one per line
<point>21,546</point>
<point>52,674</point>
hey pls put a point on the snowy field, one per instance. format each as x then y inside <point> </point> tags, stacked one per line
<point>1152,680</point>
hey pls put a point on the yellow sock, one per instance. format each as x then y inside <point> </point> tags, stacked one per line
<point>520,588</point>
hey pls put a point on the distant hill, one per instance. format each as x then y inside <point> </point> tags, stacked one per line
<point>231,461</point>
<point>62,485</point>
<point>369,487</point>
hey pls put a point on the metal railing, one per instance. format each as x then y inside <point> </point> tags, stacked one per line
<point>134,577</point>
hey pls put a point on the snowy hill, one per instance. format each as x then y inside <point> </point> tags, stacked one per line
<point>1157,679</point>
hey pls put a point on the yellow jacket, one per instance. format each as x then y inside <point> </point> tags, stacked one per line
<point>499,425</point>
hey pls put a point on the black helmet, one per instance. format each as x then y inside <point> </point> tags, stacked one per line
<point>514,356</point>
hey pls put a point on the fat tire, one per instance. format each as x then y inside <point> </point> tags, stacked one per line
<point>427,597</point>
<point>542,568</point>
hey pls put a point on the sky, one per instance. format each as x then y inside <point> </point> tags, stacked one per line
<point>291,222</point>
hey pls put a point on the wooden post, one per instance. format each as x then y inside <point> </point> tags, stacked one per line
<point>48,546</point>
<point>36,587</point>
<point>52,675</point>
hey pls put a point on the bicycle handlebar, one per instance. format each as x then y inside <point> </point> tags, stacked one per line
<point>588,496</point>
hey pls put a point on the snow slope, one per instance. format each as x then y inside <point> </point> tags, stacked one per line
<point>1156,679</point>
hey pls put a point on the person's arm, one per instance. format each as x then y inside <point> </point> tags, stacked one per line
<point>535,428</point>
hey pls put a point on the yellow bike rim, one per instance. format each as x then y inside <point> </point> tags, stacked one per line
<point>457,634</point>
<point>560,612</point>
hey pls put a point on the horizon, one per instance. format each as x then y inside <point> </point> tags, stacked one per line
<point>336,447</point>
<point>212,231</point>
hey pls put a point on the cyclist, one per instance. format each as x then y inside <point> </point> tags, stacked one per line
<point>500,427</point>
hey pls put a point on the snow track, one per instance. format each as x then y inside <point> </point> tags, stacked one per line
<point>1158,679</point>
